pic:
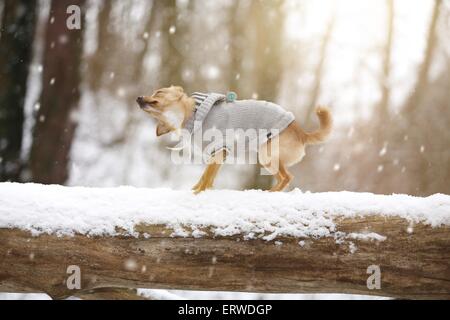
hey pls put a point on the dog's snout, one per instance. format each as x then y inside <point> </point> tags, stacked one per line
<point>140,99</point>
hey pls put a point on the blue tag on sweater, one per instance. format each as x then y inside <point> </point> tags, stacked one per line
<point>231,96</point>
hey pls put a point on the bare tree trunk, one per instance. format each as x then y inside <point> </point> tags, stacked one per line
<point>149,27</point>
<point>17,33</point>
<point>315,92</point>
<point>171,46</point>
<point>236,26</point>
<point>105,40</point>
<point>55,126</point>
<point>383,107</point>
<point>268,51</point>
<point>415,109</point>
<point>422,80</point>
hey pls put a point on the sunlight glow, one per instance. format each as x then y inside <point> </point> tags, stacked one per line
<point>358,36</point>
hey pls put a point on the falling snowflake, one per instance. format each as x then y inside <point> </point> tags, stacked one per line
<point>337,167</point>
<point>121,92</point>
<point>63,39</point>
<point>352,248</point>
<point>52,81</point>
<point>422,149</point>
<point>212,72</point>
<point>172,29</point>
<point>380,168</point>
<point>130,265</point>
<point>145,35</point>
<point>351,132</point>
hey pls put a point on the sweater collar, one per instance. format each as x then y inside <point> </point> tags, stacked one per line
<point>203,104</point>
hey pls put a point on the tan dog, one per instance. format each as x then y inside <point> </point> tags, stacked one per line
<point>172,108</point>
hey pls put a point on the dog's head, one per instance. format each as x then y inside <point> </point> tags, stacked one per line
<point>168,106</point>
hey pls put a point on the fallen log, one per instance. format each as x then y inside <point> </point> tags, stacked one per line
<point>411,258</point>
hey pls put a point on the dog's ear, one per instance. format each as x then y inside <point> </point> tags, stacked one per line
<point>178,88</point>
<point>161,129</point>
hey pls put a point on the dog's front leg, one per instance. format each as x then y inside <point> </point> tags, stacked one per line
<point>208,177</point>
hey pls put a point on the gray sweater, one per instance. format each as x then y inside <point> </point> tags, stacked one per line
<point>214,111</point>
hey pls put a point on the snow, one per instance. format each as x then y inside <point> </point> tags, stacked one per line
<point>224,295</point>
<point>207,295</point>
<point>24,296</point>
<point>66,211</point>
<point>371,236</point>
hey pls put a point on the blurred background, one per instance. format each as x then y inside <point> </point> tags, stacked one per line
<point>67,97</point>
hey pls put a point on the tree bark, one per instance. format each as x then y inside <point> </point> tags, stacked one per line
<point>55,126</point>
<point>110,294</point>
<point>105,47</point>
<point>17,32</point>
<point>171,44</point>
<point>413,265</point>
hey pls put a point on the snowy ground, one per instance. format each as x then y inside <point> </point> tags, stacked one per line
<point>209,295</point>
<point>99,211</point>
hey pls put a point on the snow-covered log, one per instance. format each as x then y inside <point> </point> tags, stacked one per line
<point>222,240</point>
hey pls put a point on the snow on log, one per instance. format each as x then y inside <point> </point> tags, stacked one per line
<point>252,241</point>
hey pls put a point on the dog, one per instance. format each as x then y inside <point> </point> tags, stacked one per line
<point>173,109</point>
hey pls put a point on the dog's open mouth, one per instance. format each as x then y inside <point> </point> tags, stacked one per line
<point>149,108</point>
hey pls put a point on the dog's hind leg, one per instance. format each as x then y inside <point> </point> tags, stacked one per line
<point>283,177</point>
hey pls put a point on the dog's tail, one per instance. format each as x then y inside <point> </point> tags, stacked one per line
<point>326,124</point>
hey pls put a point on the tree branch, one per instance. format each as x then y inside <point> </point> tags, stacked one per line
<point>414,263</point>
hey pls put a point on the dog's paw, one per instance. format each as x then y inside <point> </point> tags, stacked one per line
<point>198,188</point>
<point>198,191</point>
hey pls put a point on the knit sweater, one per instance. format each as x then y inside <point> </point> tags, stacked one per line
<point>214,111</point>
